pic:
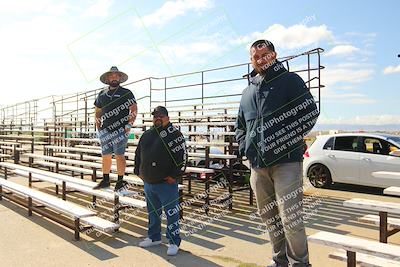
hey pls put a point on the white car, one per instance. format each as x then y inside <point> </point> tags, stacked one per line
<point>353,158</point>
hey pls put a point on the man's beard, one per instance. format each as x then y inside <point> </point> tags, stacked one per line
<point>114,83</point>
<point>157,123</point>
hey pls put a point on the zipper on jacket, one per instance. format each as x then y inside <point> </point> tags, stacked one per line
<point>259,117</point>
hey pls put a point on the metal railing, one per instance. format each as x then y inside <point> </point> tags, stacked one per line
<point>177,91</point>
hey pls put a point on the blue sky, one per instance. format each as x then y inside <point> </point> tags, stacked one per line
<point>59,47</point>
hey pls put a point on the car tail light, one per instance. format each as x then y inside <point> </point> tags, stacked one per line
<point>306,154</point>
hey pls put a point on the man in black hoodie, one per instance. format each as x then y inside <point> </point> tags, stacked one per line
<point>160,160</point>
<point>276,111</point>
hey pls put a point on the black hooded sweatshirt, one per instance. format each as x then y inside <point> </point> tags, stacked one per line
<point>161,152</point>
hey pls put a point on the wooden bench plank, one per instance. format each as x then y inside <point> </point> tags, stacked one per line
<point>108,194</point>
<point>355,244</point>
<point>75,162</point>
<point>131,152</point>
<point>98,165</point>
<point>9,143</point>
<point>86,157</point>
<point>132,179</point>
<point>46,173</point>
<point>393,190</point>
<point>393,223</point>
<point>39,177</point>
<point>100,224</point>
<point>364,259</point>
<point>136,141</point>
<point>60,205</point>
<point>94,221</point>
<point>375,205</point>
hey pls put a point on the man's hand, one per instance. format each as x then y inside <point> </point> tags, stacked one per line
<point>170,180</point>
<point>128,128</point>
<point>98,125</point>
<point>97,113</point>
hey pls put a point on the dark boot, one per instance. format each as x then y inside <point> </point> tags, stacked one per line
<point>103,183</point>
<point>120,183</point>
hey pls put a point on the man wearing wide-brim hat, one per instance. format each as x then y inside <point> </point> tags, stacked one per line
<point>115,111</point>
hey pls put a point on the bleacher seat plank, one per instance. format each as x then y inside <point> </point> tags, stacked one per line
<point>393,190</point>
<point>86,157</point>
<point>133,179</point>
<point>88,189</point>
<point>100,224</point>
<point>98,165</point>
<point>136,141</point>
<point>364,260</point>
<point>393,223</point>
<point>373,205</point>
<point>9,143</point>
<point>356,244</point>
<point>72,161</point>
<point>62,206</point>
<point>130,152</point>
<point>46,173</point>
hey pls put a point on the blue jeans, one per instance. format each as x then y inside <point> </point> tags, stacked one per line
<point>159,196</point>
<point>113,141</point>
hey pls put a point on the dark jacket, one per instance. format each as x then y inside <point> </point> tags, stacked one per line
<point>276,111</point>
<point>161,152</point>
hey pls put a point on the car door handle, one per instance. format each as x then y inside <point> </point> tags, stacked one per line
<point>366,159</point>
<point>331,156</point>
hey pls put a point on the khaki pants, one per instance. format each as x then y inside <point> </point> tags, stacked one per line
<point>279,195</point>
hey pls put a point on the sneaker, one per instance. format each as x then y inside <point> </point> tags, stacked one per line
<point>172,250</point>
<point>102,184</point>
<point>120,184</point>
<point>147,242</point>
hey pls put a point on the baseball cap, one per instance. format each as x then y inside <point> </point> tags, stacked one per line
<point>160,110</point>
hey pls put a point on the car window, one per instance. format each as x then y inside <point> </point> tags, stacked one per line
<point>395,138</point>
<point>329,144</point>
<point>346,143</point>
<point>377,146</point>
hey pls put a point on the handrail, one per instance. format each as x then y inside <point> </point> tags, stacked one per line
<point>63,105</point>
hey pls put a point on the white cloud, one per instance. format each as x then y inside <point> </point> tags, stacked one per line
<point>333,75</point>
<point>296,36</point>
<point>340,80</point>
<point>342,50</point>
<point>99,9</point>
<point>189,53</point>
<point>363,120</point>
<point>170,10</point>
<point>392,69</point>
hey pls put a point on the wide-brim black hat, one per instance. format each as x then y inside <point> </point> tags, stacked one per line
<point>104,76</point>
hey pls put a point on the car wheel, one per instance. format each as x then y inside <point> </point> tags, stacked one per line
<point>319,176</point>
